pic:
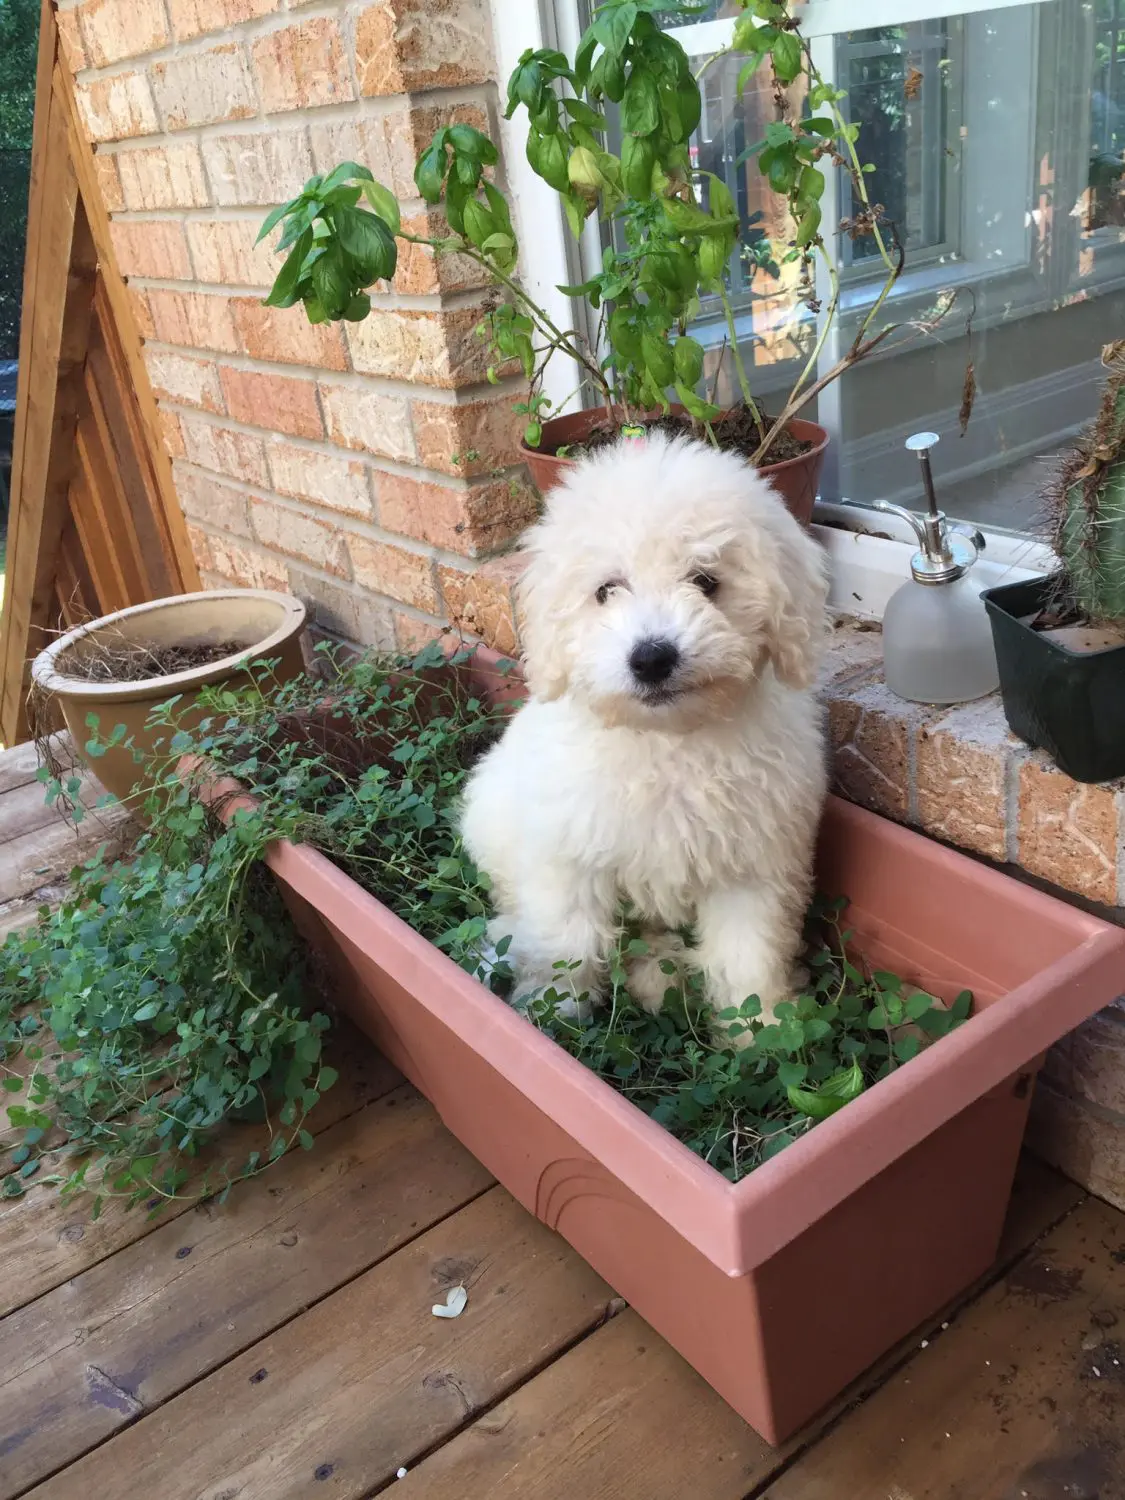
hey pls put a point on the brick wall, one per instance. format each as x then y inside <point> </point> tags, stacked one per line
<point>367,468</point>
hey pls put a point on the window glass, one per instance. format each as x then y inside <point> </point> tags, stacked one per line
<point>999,142</point>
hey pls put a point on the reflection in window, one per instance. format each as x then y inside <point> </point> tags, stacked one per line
<point>904,88</point>
<point>999,142</point>
<point>1107,122</point>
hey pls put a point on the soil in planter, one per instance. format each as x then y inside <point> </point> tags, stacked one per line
<point>121,660</point>
<point>737,432</point>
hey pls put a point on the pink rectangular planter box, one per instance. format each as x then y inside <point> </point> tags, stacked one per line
<point>779,1290</point>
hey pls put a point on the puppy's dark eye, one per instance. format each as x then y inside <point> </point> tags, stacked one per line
<point>606,589</point>
<point>706,583</point>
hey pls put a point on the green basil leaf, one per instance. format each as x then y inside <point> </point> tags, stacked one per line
<point>286,289</point>
<point>385,204</point>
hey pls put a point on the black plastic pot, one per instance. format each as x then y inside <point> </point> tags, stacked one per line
<point>1068,703</point>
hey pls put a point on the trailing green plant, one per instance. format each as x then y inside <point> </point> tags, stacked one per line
<point>676,228</point>
<point>739,1104</point>
<point>168,993</point>
<point>1087,506</point>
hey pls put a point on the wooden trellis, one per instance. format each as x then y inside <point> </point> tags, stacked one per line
<point>94,524</point>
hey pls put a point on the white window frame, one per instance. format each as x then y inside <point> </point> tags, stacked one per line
<point>866,567</point>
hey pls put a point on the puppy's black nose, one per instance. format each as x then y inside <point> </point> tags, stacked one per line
<point>653,662</point>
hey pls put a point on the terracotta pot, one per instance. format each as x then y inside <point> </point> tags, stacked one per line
<point>782,1289</point>
<point>266,627</point>
<point>795,480</point>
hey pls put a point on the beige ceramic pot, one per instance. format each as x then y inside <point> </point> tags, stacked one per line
<point>264,626</point>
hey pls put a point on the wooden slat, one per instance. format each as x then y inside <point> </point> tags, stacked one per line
<point>59,313</point>
<point>337,1400</point>
<point>1023,1396</point>
<point>596,1425</point>
<point>45,1241</point>
<point>123,347</point>
<point>18,767</point>
<point>35,858</point>
<point>83,1362</point>
<point>143,578</point>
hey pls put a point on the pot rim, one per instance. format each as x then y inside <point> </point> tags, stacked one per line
<point>47,675</point>
<point>819,444</point>
<point>996,605</point>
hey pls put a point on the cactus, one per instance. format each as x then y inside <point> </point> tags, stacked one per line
<point>1088,506</point>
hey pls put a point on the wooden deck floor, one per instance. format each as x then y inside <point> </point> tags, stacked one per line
<point>283,1346</point>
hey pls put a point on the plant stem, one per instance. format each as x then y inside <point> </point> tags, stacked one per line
<point>739,364</point>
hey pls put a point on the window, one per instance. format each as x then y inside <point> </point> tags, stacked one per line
<point>998,134</point>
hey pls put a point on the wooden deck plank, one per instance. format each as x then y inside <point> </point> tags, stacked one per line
<point>1024,1395</point>
<point>17,767</point>
<point>87,1359</point>
<point>45,1241</point>
<point>33,858</point>
<point>595,1424</point>
<point>621,1417</point>
<point>366,1381</point>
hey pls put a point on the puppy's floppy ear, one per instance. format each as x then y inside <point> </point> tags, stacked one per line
<point>542,623</point>
<point>797,623</point>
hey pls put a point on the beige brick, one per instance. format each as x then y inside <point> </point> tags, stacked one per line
<point>468,438</point>
<point>224,451</point>
<point>117,108</point>
<point>421,271</point>
<point>1086,1144</point>
<point>191,18</point>
<point>368,421</point>
<point>189,382</point>
<point>854,650</point>
<point>225,253</point>
<point>361,140</point>
<point>260,169</point>
<point>386,569</point>
<point>171,432</point>
<point>471,519</point>
<point>200,549</point>
<point>302,66</point>
<point>158,248</point>
<point>287,336</point>
<point>872,734</point>
<point>113,30</point>
<point>202,87</point>
<point>263,399</point>
<point>340,484</point>
<point>249,567</point>
<point>109,182</point>
<point>1097,1060</point>
<point>163,177</point>
<point>208,500</point>
<point>404,45</point>
<point>71,40</point>
<point>412,634</point>
<point>197,320</point>
<point>482,603</point>
<point>344,611</point>
<point>423,348</point>
<point>304,537</point>
<point>962,778</point>
<point>1068,833</point>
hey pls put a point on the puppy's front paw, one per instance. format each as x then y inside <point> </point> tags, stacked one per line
<point>648,980</point>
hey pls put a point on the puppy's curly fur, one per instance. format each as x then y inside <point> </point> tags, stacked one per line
<point>687,777</point>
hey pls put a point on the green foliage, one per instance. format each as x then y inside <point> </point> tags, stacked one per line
<point>19,41</point>
<point>1088,506</point>
<point>677,228</point>
<point>737,1105</point>
<point>335,249</point>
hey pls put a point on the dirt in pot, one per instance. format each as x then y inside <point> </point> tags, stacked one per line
<point>117,659</point>
<point>737,432</point>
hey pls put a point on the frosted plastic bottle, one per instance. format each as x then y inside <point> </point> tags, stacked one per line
<point>937,640</point>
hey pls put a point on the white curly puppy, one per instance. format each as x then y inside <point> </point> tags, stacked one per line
<point>671,751</point>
